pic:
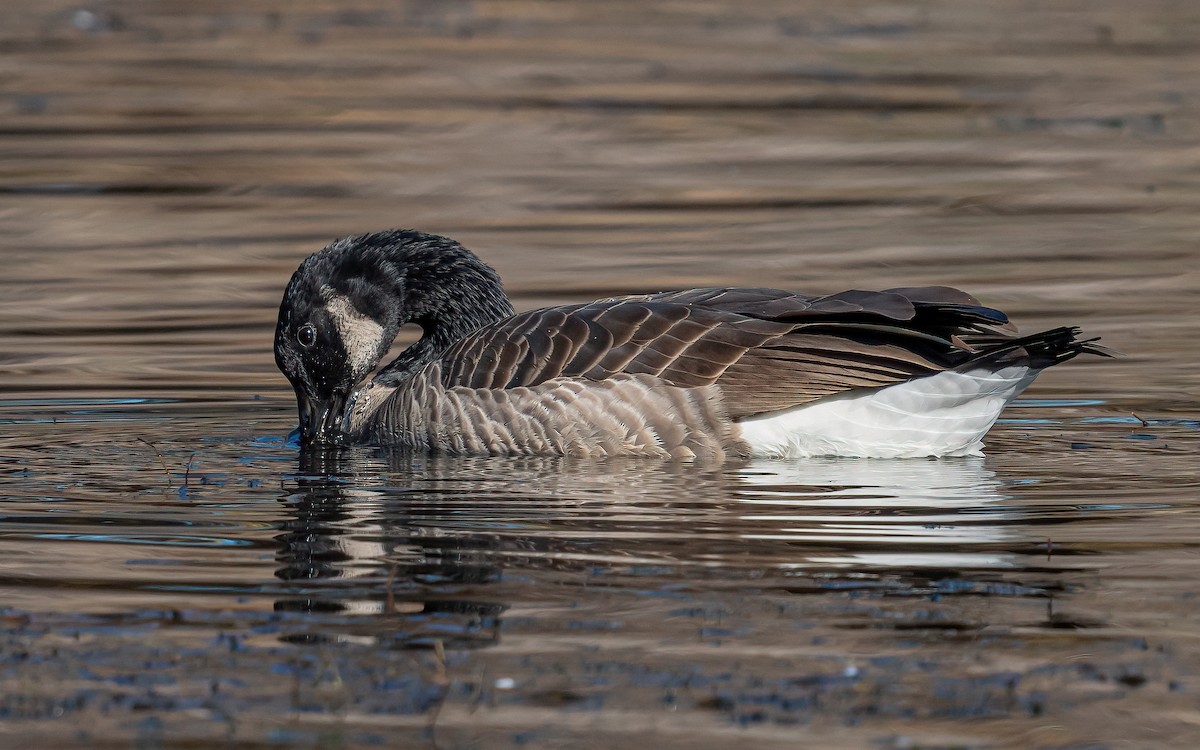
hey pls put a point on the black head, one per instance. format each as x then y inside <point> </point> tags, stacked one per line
<point>340,312</point>
<point>345,304</point>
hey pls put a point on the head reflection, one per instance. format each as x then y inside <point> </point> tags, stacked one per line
<point>351,549</point>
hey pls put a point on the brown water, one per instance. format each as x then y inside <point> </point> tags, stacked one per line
<point>172,574</point>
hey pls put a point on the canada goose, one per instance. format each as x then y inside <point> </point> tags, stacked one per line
<point>711,373</point>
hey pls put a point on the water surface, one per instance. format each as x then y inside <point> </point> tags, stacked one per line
<point>173,574</point>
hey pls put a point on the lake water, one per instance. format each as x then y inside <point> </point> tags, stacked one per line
<point>172,574</point>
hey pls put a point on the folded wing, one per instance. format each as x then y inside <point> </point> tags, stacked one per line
<point>767,349</point>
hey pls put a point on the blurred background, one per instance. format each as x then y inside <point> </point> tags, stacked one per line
<point>164,166</point>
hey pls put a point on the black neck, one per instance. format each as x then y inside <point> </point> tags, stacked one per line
<point>442,287</point>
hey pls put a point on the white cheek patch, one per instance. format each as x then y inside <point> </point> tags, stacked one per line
<point>361,336</point>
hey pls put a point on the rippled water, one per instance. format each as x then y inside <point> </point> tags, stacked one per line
<point>172,573</point>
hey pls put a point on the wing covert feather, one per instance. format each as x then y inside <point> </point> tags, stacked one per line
<point>768,349</point>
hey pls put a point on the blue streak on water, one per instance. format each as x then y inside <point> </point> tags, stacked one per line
<point>1028,421</point>
<point>151,541</point>
<point>84,401</point>
<point>1041,403</point>
<point>1168,422</point>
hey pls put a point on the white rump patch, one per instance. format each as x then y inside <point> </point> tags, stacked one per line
<point>361,335</point>
<point>946,414</point>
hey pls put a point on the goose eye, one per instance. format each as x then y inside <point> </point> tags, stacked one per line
<point>306,335</point>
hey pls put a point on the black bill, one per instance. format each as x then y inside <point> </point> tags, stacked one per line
<point>321,420</point>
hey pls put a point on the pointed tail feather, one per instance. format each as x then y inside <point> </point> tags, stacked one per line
<point>1038,350</point>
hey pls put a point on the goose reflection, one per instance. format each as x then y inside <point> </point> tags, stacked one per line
<point>349,550</point>
<point>409,550</point>
<point>890,514</point>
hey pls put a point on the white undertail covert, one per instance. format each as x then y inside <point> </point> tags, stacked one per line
<point>946,414</point>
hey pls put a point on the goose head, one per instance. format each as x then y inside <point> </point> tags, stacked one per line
<point>338,317</point>
<point>344,305</point>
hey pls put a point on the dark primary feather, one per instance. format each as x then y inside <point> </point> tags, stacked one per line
<point>767,349</point>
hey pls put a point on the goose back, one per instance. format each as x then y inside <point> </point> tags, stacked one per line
<point>767,349</point>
